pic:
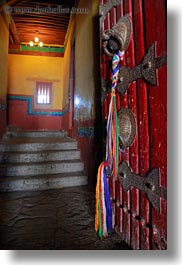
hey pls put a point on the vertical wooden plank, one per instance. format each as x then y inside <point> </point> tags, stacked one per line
<point>104,60</point>
<point>133,154</point>
<point>107,76</point>
<point>115,204</point>
<point>119,14</point>
<point>107,59</point>
<point>103,67</point>
<point>119,11</point>
<point>125,156</point>
<point>124,225</point>
<point>143,123</point>
<point>105,72</point>
<point>156,32</point>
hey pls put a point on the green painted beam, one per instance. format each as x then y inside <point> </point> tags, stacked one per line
<point>41,49</point>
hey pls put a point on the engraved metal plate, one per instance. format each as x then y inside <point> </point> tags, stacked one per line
<point>118,37</point>
<point>147,70</point>
<point>150,184</point>
<point>127,127</point>
<point>105,8</point>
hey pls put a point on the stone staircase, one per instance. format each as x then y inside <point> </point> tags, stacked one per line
<point>39,160</point>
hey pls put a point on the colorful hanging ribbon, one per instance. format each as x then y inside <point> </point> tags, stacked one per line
<point>103,216</point>
<point>115,67</point>
<point>112,138</point>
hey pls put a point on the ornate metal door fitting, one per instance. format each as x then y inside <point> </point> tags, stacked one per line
<point>147,70</point>
<point>104,9</point>
<point>118,37</point>
<point>127,127</point>
<point>148,184</point>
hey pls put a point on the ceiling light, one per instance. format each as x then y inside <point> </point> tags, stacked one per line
<point>31,43</point>
<point>36,42</point>
<point>40,44</point>
<point>36,39</point>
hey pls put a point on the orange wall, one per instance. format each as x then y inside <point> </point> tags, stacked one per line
<point>25,70</point>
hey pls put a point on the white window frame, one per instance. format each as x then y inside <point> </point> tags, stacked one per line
<point>43,94</point>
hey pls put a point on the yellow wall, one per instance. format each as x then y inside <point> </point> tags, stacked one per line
<point>25,70</point>
<point>84,85</point>
<point>67,54</point>
<point>4,37</point>
<point>84,59</point>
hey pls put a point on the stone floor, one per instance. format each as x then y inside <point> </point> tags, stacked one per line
<point>52,220</point>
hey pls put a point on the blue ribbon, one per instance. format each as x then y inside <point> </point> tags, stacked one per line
<point>107,202</point>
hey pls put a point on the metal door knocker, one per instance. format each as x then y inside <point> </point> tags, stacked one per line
<point>127,127</point>
<point>118,37</point>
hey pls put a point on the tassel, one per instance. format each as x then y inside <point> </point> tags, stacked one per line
<point>103,211</point>
<point>112,148</point>
<point>103,217</point>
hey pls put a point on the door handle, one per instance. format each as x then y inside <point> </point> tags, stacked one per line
<point>118,37</point>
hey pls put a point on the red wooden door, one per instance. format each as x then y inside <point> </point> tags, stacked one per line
<point>135,218</point>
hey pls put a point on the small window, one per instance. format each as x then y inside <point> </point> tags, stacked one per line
<point>43,93</point>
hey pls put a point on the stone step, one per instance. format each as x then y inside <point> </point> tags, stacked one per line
<point>39,160</point>
<point>42,156</point>
<point>36,134</point>
<point>32,169</point>
<point>37,144</point>
<point>35,183</point>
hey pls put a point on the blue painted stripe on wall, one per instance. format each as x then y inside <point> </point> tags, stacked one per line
<point>3,107</point>
<point>31,111</point>
<point>85,131</point>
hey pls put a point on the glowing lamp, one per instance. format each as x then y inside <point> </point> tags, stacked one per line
<point>40,44</point>
<point>36,39</point>
<point>31,43</point>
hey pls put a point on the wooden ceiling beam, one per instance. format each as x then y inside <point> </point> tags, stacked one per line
<point>47,34</point>
<point>43,35</point>
<point>40,31</point>
<point>40,15</point>
<point>11,39</point>
<point>47,38</point>
<point>41,21</point>
<point>36,27</point>
<point>14,31</point>
<point>51,27</point>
